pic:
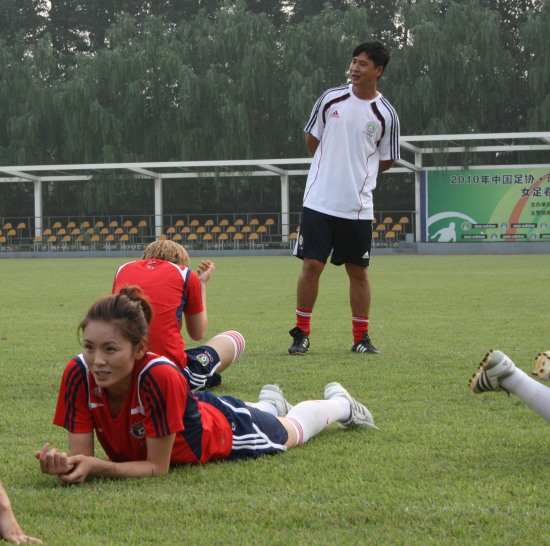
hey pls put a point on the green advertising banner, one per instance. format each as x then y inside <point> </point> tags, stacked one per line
<point>489,204</point>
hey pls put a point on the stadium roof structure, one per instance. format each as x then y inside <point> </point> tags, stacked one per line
<point>417,147</point>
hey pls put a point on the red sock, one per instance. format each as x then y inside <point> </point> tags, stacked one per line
<point>360,325</point>
<point>303,320</point>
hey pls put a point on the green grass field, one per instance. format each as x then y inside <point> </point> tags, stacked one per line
<point>446,466</point>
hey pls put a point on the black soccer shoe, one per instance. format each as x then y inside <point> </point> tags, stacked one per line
<point>364,346</point>
<point>300,345</point>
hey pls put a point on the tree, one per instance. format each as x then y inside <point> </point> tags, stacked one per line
<point>25,16</point>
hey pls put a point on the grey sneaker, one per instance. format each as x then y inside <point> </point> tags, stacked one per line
<point>360,415</point>
<point>300,343</point>
<point>494,367</point>
<point>274,396</point>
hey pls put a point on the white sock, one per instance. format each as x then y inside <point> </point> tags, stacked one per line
<point>312,416</point>
<point>264,406</point>
<point>534,394</point>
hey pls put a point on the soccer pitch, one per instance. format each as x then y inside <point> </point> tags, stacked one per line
<point>446,466</point>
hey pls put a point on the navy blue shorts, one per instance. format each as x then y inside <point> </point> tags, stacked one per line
<point>255,432</point>
<point>202,363</point>
<point>350,241</point>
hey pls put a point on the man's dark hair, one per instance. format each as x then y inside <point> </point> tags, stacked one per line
<point>377,52</point>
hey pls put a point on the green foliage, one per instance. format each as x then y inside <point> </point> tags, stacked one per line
<point>446,466</point>
<point>101,81</point>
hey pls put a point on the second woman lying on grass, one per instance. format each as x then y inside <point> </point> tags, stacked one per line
<point>145,416</point>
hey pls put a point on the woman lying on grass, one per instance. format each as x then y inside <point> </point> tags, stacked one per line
<point>145,416</point>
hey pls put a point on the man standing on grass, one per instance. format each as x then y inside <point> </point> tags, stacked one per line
<point>353,135</point>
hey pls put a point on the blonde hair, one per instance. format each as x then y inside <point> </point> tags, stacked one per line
<point>166,250</point>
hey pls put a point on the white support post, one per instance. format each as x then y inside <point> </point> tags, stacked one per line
<point>285,207</point>
<point>37,208</point>
<point>417,178</point>
<point>158,207</point>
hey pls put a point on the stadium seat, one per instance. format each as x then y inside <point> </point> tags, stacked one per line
<point>57,225</point>
<point>292,238</point>
<point>269,222</point>
<point>104,231</point>
<point>93,240</point>
<point>239,222</point>
<point>224,222</point>
<point>253,239</point>
<point>261,231</point>
<point>113,224</point>
<point>47,232</point>
<point>216,229</point>
<point>70,225</point>
<point>119,231</point>
<point>404,220</point>
<point>201,230</point>
<point>186,230</point>
<point>177,237</point>
<point>85,224</point>
<point>388,220</point>
<point>128,224</point>
<point>209,223</point>
<point>246,229</point>
<point>52,240</point>
<point>7,225</point>
<point>37,242</point>
<point>207,238</point>
<point>90,231</point>
<point>171,230</point>
<point>2,240</point>
<point>254,222</point>
<point>99,224</point>
<point>142,224</point>
<point>179,224</point>
<point>375,238</point>
<point>398,230</point>
<point>194,223</point>
<point>162,237</point>
<point>231,229</point>
<point>381,227</point>
<point>237,238</point>
<point>61,232</point>
<point>125,238</point>
<point>191,239</point>
<point>389,237</point>
<point>222,238</point>
<point>65,241</point>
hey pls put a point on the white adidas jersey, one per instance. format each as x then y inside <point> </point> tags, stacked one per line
<point>354,136</point>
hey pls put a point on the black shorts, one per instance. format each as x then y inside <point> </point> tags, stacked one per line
<point>350,241</point>
<point>255,432</point>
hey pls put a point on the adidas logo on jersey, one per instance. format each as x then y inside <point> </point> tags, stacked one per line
<point>334,114</point>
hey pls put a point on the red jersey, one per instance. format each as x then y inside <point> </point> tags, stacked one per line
<point>158,403</point>
<point>172,291</point>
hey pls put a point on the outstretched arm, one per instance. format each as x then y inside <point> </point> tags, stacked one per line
<point>74,469</point>
<point>196,323</point>
<point>9,528</point>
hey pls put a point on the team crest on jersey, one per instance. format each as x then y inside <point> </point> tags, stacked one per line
<point>137,430</point>
<point>204,359</point>
<point>151,264</point>
<point>371,128</point>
